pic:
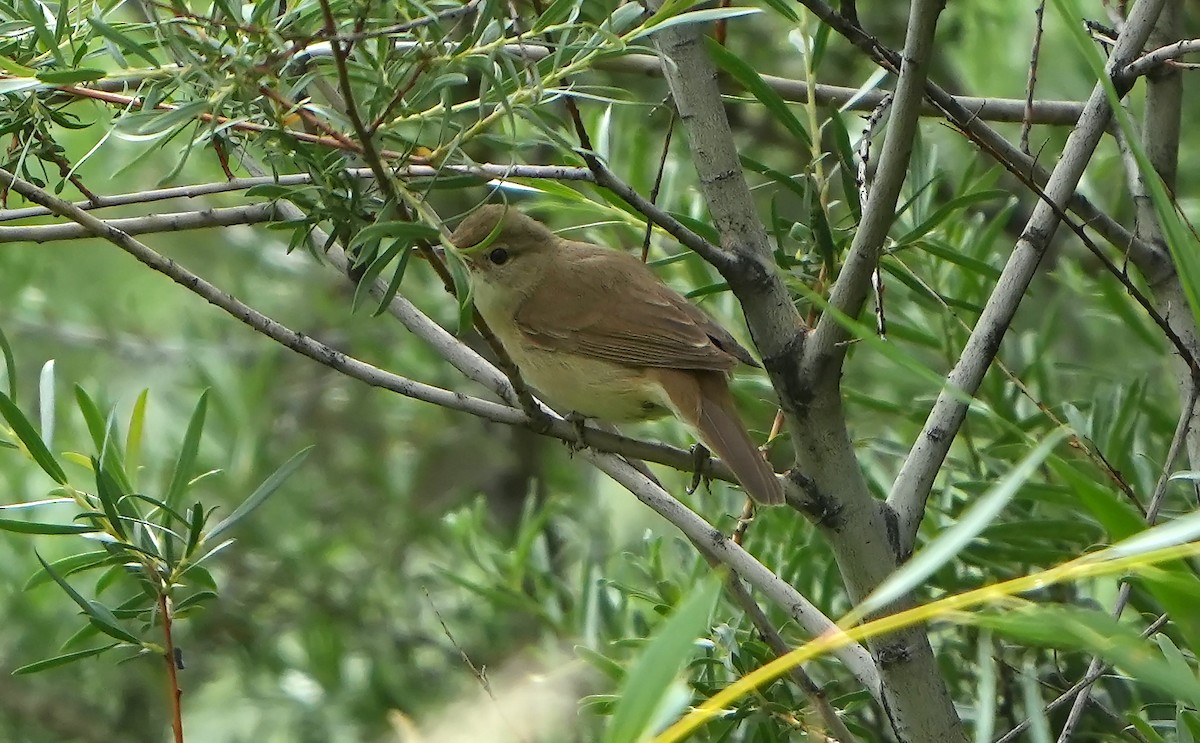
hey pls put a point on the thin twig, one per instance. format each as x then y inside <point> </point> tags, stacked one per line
<point>1152,60</point>
<point>1090,678</point>
<point>658,177</point>
<point>479,672</point>
<point>1031,83</point>
<point>172,222</point>
<point>484,170</point>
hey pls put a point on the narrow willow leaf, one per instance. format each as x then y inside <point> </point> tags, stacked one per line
<point>10,365</point>
<point>186,460</point>
<point>62,660</point>
<point>648,683</point>
<point>36,527</point>
<point>46,402</point>
<point>70,565</point>
<point>29,437</point>
<point>749,79</point>
<point>950,542</point>
<point>133,439</point>
<point>264,491</point>
<point>100,616</point>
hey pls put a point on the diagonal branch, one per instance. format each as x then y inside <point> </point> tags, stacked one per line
<point>825,349</point>
<point>171,222</point>
<point>911,488</point>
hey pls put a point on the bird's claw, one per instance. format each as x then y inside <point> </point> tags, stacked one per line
<point>578,421</point>
<point>700,460</point>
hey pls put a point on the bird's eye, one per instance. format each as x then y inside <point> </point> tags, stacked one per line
<point>499,256</point>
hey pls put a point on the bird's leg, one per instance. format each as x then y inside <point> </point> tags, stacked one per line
<point>578,421</point>
<point>700,460</point>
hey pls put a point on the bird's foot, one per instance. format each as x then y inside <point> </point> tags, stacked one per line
<point>700,459</point>
<point>578,421</point>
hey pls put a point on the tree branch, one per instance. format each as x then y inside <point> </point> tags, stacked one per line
<point>832,490</point>
<point>720,548</point>
<point>485,170</point>
<point>911,488</point>
<point>172,222</point>
<point>825,349</point>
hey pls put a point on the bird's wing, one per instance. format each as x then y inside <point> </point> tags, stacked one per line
<point>575,308</point>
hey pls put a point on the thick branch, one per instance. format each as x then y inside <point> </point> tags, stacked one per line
<point>773,321</point>
<point>916,700</point>
<point>911,489</point>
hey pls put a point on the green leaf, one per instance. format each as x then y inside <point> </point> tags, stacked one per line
<point>133,439</point>
<point>947,210</point>
<point>46,401</point>
<point>1098,633</point>
<point>108,493</point>
<point>10,365</point>
<point>186,460</point>
<point>30,438</point>
<point>70,565</point>
<point>394,284</point>
<point>749,79</point>
<point>462,290</point>
<point>36,527</point>
<point>104,435</point>
<point>70,77</point>
<point>648,683</point>
<point>123,42</point>
<point>411,231</point>
<point>256,499</point>
<point>942,548</point>
<point>695,16</point>
<point>62,660</point>
<point>100,616</point>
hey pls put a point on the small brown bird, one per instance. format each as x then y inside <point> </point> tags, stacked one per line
<point>596,332</point>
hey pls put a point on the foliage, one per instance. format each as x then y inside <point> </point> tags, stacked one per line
<point>425,559</point>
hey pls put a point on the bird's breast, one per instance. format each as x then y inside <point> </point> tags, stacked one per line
<point>570,382</point>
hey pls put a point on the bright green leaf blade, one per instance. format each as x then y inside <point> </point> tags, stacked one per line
<point>133,439</point>
<point>30,438</point>
<point>649,681</point>
<point>10,365</point>
<point>186,460</point>
<point>749,79</point>
<point>950,542</point>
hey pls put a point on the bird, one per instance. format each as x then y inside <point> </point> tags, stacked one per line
<point>595,331</point>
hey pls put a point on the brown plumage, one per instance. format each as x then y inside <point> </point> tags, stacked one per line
<point>595,331</point>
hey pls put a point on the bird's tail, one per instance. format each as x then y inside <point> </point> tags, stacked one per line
<point>713,413</point>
